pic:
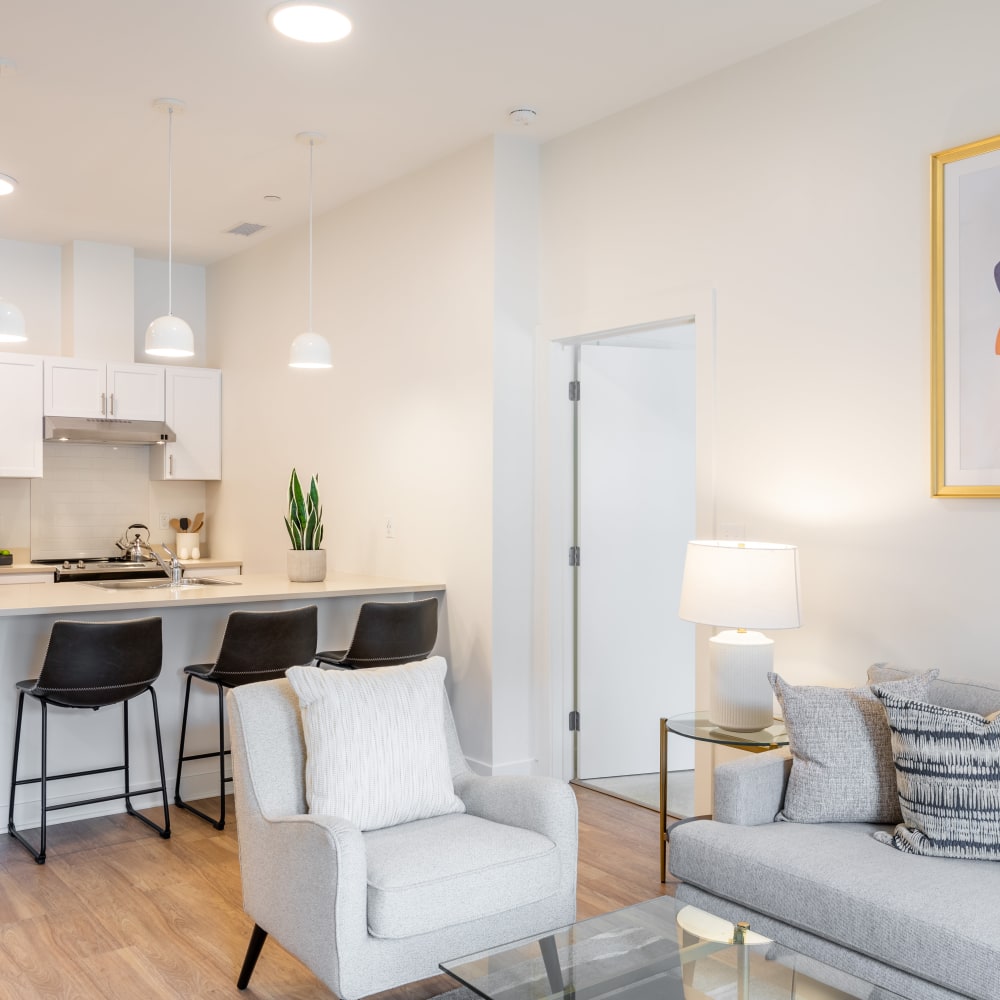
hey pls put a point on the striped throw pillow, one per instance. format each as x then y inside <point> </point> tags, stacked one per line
<point>948,778</point>
<point>376,750</point>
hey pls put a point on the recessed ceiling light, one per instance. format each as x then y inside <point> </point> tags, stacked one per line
<point>309,22</point>
<point>7,184</point>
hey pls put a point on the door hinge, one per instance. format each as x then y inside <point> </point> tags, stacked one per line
<point>574,721</point>
<point>574,391</point>
<point>574,555</point>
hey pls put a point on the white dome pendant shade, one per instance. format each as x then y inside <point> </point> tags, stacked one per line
<point>169,336</point>
<point>11,324</point>
<point>310,349</point>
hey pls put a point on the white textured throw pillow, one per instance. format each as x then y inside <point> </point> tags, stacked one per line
<point>376,752</point>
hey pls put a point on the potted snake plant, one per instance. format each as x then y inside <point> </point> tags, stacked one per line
<point>304,521</point>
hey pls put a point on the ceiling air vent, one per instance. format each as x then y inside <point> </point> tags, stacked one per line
<point>245,229</point>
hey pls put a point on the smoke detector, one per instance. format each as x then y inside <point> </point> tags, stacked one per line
<point>522,116</point>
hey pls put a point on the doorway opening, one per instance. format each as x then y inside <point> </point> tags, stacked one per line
<point>634,446</point>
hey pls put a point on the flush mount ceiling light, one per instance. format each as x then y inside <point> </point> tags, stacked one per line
<point>309,349</point>
<point>11,324</point>
<point>315,22</point>
<point>7,184</point>
<point>169,336</point>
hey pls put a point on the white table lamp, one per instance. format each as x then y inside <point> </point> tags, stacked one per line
<point>741,586</point>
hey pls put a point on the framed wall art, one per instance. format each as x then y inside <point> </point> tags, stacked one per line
<point>965,309</point>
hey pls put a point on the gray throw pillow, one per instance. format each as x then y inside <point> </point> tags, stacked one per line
<point>842,766</point>
<point>948,776</point>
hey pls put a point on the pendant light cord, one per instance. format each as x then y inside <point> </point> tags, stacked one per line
<point>311,145</point>
<point>170,211</point>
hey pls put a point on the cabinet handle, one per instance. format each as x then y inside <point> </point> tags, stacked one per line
<point>112,408</point>
<point>104,404</point>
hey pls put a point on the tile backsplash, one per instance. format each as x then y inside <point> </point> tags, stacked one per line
<point>89,495</point>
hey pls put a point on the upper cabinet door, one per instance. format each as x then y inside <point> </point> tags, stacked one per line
<point>20,415</point>
<point>135,392</point>
<point>194,412</point>
<point>75,388</point>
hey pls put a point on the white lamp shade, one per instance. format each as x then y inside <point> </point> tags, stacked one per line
<point>310,350</point>
<point>169,337</point>
<point>11,324</point>
<point>749,585</point>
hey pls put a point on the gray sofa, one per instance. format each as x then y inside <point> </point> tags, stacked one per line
<point>921,927</point>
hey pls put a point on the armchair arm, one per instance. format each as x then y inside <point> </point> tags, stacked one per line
<point>304,882</point>
<point>545,805</point>
<point>751,790</point>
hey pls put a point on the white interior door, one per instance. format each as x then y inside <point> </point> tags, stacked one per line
<point>636,502</point>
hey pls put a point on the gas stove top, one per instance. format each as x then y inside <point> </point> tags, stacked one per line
<point>101,568</point>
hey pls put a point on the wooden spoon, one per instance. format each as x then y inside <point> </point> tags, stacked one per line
<point>175,524</point>
<point>199,520</point>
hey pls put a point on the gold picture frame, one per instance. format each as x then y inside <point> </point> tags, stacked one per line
<point>965,320</point>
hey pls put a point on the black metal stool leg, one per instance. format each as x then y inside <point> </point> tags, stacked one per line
<point>38,855</point>
<point>17,751</point>
<point>165,831</point>
<point>257,939</point>
<point>180,753</point>
<point>220,823</point>
<point>222,763</point>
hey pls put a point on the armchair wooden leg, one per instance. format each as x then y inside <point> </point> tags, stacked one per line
<point>257,939</point>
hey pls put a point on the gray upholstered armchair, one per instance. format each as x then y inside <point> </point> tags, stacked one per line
<point>371,911</point>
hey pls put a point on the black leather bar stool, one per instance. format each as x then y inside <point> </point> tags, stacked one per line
<point>93,665</point>
<point>386,634</point>
<point>256,646</point>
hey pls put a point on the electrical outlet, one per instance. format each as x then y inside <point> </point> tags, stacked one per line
<point>732,532</point>
<point>390,531</point>
<point>164,522</point>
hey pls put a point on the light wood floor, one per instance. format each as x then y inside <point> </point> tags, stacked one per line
<point>116,912</point>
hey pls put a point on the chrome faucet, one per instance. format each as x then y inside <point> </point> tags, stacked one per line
<point>174,569</point>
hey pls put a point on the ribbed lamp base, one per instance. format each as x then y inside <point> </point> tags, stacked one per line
<point>741,698</point>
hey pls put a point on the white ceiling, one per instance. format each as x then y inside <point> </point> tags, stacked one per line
<point>413,82</point>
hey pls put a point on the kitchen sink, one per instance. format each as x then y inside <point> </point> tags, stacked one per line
<point>188,583</point>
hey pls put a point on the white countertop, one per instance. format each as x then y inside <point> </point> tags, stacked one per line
<point>71,598</point>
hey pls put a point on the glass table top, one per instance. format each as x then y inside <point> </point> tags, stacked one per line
<point>697,726</point>
<point>658,950</point>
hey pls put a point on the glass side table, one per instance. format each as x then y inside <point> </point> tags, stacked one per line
<point>696,726</point>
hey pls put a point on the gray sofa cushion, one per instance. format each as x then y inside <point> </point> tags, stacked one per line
<point>948,775</point>
<point>933,917</point>
<point>842,767</point>
<point>438,872</point>
<point>969,696</point>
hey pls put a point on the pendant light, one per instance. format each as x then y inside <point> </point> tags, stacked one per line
<point>169,336</point>
<point>11,324</point>
<point>309,349</point>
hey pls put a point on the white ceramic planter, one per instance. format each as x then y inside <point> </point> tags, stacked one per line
<point>306,565</point>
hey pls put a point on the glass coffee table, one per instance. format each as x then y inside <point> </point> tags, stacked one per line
<point>658,950</point>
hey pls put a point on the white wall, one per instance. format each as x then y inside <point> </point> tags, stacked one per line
<point>797,185</point>
<point>30,275</point>
<point>401,427</point>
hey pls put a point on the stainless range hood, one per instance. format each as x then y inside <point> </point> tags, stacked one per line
<point>95,430</point>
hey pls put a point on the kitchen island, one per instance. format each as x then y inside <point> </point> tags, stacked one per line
<point>194,619</point>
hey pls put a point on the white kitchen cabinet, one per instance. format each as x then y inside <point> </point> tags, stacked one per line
<point>79,388</point>
<point>193,410</point>
<point>20,416</point>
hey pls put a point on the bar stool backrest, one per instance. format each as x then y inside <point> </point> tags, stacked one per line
<point>93,664</point>
<point>393,633</point>
<point>262,645</point>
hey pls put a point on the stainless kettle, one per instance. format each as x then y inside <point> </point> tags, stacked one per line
<point>134,549</point>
